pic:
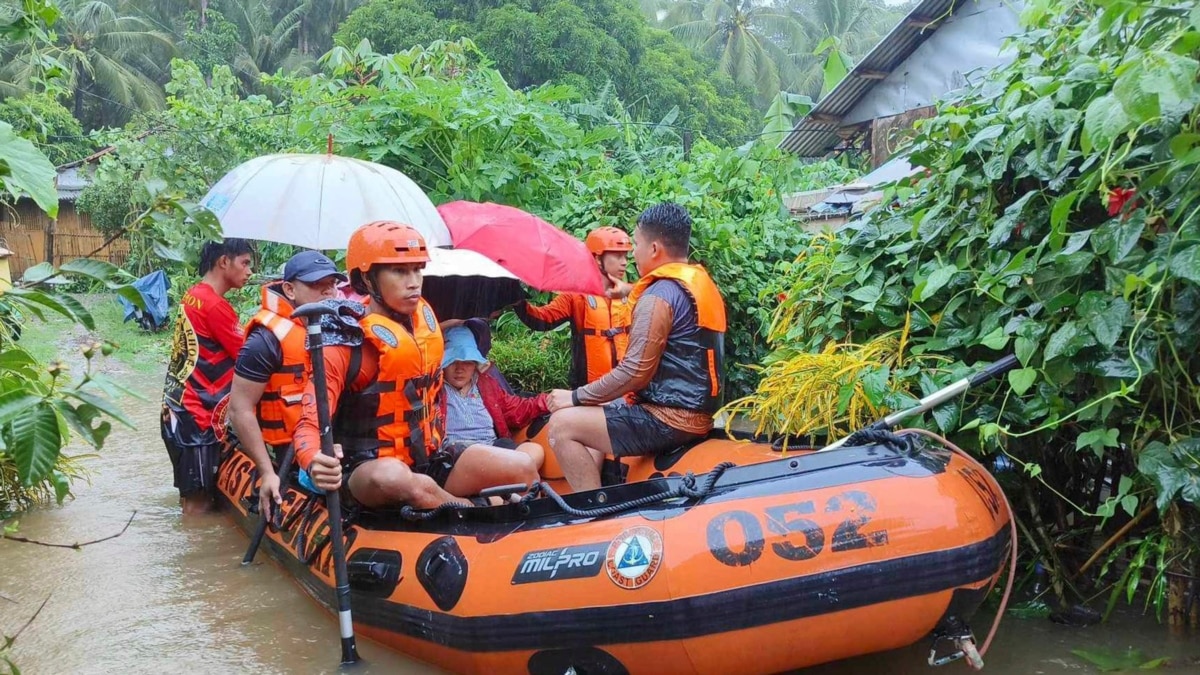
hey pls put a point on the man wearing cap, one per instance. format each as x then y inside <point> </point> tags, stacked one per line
<point>273,367</point>
<point>473,403</point>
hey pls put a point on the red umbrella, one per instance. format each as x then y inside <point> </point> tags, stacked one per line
<point>537,252</point>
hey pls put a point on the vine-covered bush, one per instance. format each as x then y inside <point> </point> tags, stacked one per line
<point>1059,219</point>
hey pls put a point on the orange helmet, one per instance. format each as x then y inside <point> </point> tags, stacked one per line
<point>603,239</point>
<point>385,242</point>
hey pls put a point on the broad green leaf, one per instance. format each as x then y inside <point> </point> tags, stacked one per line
<point>936,281</point>
<point>1108,324</point>
<point>38,273</point>
<point>98,270</point>
<point>1130,504</point>
<point>56,302</point>
<point>1097,440</point>
<point>1104,120</point>
<point>1186,264</point>
<point>62,486</point>
<point>986,134</point>
<point>25,170</point>
<point>1125,238</point>
<point>1194,17</point>
<point>102,404</point>
<point>36,442</point>
<point>13,402</point>
<point>1024,347</point>
<point>1021,379</point>
<point>994,340</point>
<point>1058,342</point>
<point>866,294</point>
<point>1062,210</point>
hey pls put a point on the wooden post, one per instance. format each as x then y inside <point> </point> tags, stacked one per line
<point>50,231</point>
<point>1180,576</point>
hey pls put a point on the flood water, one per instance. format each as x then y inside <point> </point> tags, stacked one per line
<point>171,596</point>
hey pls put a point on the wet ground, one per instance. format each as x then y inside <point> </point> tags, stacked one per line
<point>171,596</point>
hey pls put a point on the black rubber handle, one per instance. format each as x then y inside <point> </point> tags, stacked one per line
<point>993,371</point>
<point>313,309</point>
<point>503,490</point>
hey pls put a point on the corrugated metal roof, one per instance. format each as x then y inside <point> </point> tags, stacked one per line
<point>816,133</point>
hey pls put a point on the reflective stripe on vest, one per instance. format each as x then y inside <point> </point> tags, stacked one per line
<point>396,415</point>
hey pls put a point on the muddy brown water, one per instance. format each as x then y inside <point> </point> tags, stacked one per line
<point>171,596</point>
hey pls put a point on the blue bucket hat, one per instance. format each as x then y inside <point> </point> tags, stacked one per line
<point>461,346</point>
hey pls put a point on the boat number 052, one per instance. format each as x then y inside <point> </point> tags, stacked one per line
<point>802,538</point>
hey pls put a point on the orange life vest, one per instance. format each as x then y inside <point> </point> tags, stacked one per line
<point>279,408</point>
<point>603,326</point>
<point>690,374</point>
<point>397,414</point>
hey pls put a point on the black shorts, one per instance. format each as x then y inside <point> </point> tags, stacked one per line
<point>441,463</point>
<point>633,432</point>
<point>195,464</point>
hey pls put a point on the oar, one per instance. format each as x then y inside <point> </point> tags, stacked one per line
<point>285,468</point>
<point>938,397</point>
<point>312,313</point>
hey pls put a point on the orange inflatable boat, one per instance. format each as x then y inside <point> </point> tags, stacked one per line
<point>772,562</point>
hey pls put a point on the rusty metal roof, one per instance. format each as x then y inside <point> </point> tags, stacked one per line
<point>816,132</point>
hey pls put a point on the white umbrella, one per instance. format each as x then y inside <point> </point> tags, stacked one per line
<point>316,201</point>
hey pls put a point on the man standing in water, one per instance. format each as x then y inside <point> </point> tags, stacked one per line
<point>206,343</point>
<point>273,367</point>
<point>674,364</point>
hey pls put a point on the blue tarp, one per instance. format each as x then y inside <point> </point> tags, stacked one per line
<point>153,288</point>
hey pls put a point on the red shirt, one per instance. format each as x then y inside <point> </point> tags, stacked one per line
<point>207,339</point>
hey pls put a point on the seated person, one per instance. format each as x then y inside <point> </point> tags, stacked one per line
<point>674,364</point>
<point>476,408</point>
<point>385,392</point>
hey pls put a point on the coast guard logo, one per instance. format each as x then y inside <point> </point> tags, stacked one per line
<point>634,557</point>
<point>591,302</point>
<point>430,320</point>
<point>385,335</point>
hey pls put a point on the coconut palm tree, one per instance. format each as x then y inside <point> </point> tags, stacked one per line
<point>269,33</point>
<point>746,36</point>
<point>101,49</point>
<point>834,30</point>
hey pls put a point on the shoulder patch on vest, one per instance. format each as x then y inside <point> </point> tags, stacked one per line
<point>386,335</point>
<point>591,300</point>
<point>430,320</point>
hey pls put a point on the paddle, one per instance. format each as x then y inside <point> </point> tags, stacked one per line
<point>311,313</point>
<point>938,397</point>
<point>285,468</point>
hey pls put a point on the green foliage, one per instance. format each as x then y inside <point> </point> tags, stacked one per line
<point>215,44</point>
<point>1109,660</point>
<point>44,121</point>
<point>25,171</point>
<point>587,45</point>
<point>42,405</point>
<point>1059,221</point>
<point>531,362</point>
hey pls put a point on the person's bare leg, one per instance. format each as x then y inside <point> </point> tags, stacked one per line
<point>196,503</point>
<point>535,452</point>
<point>482,466</point>
<point>388,481</point>
<point>570,430</point>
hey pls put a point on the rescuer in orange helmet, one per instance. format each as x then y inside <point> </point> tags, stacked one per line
<point>388,430</point>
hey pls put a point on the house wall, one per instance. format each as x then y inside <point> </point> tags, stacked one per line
<point>968,41</point>
<point>23,230</point>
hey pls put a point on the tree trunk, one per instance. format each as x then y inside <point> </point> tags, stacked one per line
<point>203,14</point>
<point>1181,579</point>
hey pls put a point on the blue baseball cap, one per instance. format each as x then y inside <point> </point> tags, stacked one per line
<point>310,266</point>
<point>461,346</point>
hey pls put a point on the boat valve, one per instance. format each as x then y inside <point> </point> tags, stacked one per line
<point>964,648</point>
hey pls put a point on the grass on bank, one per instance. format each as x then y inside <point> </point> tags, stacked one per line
<point>57,337</point>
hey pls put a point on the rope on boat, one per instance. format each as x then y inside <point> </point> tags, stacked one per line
<point>687,487</point>
<point>883,437</point>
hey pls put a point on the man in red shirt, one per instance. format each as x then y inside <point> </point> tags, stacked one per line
<point>207,338</point>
